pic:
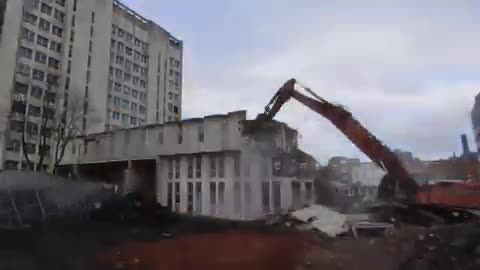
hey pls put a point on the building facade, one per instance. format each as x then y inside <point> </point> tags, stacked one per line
<point>475,117</point>
<point>96,62</point>
<point>212,166</point>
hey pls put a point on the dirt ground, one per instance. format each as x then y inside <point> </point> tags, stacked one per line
<point>138,248</point>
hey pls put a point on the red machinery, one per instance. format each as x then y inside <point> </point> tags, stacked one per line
<point>397,182</point>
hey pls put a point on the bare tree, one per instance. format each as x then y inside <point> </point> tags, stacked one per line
<point>30,130</point>
<point>67,128</point>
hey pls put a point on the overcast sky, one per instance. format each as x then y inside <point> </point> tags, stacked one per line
<point>408,70</point>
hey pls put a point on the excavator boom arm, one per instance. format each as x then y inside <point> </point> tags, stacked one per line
<point>351,128</point>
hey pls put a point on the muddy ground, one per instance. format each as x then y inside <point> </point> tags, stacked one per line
<point>224,245</point>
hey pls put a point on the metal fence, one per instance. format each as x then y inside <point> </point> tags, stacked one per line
<point>28,198</point>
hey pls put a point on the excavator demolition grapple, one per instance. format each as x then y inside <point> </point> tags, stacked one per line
<point>397,185</point>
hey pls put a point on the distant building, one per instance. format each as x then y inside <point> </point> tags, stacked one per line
<point>475,117</point>
<point>219,165</point>
<point>120,69</point>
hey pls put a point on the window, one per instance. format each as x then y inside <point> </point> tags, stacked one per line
<point>201,133</point>
<point>177,196</point>
<point>142,109</point>
<point>190,167</point>
<point>23,69</point>
<point>53,63</point>
<point>143,83</point>
<point>125,104</point>
<point>143,96</point>
<point>124,118</point>
<point>137,42</point>
<point>144,59</point>
<point>59,15</point>
<point>121,33</point>
<point>213,166</point>
<point>57,31</point>
<point>120,47</point>
<point>116,101</point>
<point>40,57</point>
<point>29,148</point>
<point>13,145</point>
<point>52,79</point>
<point>128,51</point>
<point>237,204</point>
<point>221,166</point>
<point>38,75</point>
<point>236,165</point>
<point>25,52</point>
<point>177,168</point>
<point>34,110</point>
<point>72,35</point>
<point>180,135</point>
<point>88,76</point>
<point>170,168</point>
<point>213,198</point>
<point>42,41</point>
<point>28,35</point>
<point>170,107</point>
<point>136,68</point>
<point>127,77</point>
<point>116,116</point>
<point>119,60</point>
<point>30,18</point>
<point>91,31</point>
<point>129,37</point>
<point>134,93</point>
<point>118,74</point>
<point>198,167</point>
<point>190,197</point>
<point>133,108</point>
<point>135,80</point>
<point>46,9</point>
<point>44,25</point>
<point>70,51</point>
<point>21,88</point>
<point>128,65</point>
<point>198,198</point>
<point>126,90</point>
<point>118,87</point>
<point>60,2</point>
<point>133,121</point>
<point>90,46</point>
<point>55,46</point>
<point>73,20</point>
<point>32,128</point>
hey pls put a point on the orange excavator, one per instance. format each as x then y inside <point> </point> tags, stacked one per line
<point>397,184</point>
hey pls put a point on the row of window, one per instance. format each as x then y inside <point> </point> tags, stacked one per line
<point>194,167</point>
<point>127,90</point>
<point>29,35</point>
<point>40,57</point>
<point>35,91</point>
<point>122,49</point>
<point>174,62</point>
<point>29,148</point>
<point>43,24</point>
<point>126,119</point>
<point>120,33</point>
<point>120,75</point>
<point>127,105</point>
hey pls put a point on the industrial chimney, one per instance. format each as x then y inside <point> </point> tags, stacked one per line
<point>466,149</point>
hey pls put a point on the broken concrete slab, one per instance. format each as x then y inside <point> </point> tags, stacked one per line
<point>323,219</point>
